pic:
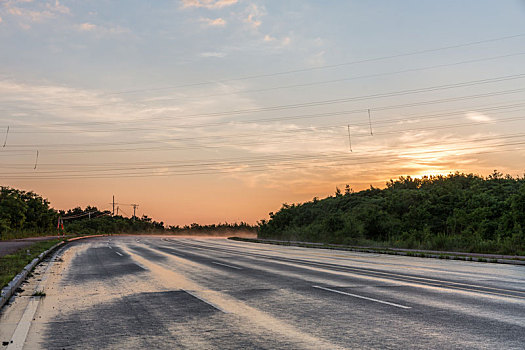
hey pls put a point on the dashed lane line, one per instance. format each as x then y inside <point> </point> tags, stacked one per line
<point>362,297</point>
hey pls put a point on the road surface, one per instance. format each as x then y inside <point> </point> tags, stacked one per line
<point>11,246</point>
<point>173,293</point>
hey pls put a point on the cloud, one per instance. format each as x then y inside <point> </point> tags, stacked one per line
<point>213,54</point>
<point>252,15</point>
<point>28,11</point>
<point>285,41</point>
<point>101,30</point>
<point>478,117</point>
<point>216,22</point>
<point>58,7</point>
<point>317,59</point>
<point>86,27</point>
<point>209,4</point>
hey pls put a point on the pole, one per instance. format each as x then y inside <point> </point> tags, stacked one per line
<point>113,205</point>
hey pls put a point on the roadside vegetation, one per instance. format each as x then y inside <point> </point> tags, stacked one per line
<point>458,212</point>
<point>12,264</point>
<point>214,229</point>
<point>101,222</point>
<point>26,214</point>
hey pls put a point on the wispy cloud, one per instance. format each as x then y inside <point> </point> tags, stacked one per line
<point>209,4</point>
<point>58,7</point>
<point>214,22</point>
<point>269,38</point>
<point>28,12</point>
<point>253,14</point>
<point>278,42</point>
<point>101,30</point>
<point>478,117</point>
<point>213,54</point>
<point>87,27</point>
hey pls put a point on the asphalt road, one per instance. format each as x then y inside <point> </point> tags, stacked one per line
<point>11,246</point>
<point>152,292</point>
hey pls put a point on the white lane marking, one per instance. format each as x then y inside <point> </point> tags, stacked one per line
<point>110,247</point>
<point>206,301</point>
<point>362,297</point>
<point>22,329</point>
<point>119,254</point>
<point>20,335</point>
<point>230,266</point>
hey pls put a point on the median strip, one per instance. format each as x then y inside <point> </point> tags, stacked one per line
<point>362,297</point>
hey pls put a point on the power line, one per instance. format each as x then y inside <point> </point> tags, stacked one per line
<point>259,168</point>
<point>251,160</point>
<point>268,161</point>
<point>375,59</point>
<point>323,82</point>
<point>486,108</point>
<point>220,140</point>
<point>319,102</point>
<point>391,94</point>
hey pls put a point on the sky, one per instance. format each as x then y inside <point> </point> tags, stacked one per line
<point>214,111</point>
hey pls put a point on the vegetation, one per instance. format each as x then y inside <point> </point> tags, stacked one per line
<point>12,264</point>
<point>24,214</point>
<point>220,229</point>
<point>39,293</point>
<point>92,221</point>
<point>457,212</point>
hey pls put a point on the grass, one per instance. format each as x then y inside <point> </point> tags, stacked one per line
<point>39,293</point>
<point>12,264</point>
<point>5,236</point>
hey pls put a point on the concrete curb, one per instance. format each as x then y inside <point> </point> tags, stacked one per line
<point>9,290</point>
<point>491,258</point>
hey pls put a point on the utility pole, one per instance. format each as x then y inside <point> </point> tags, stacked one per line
<point>117,209</point>
<point>134,208</point>
<point>113,205</point>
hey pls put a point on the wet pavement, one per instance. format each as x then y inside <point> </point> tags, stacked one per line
<point>157,292</point>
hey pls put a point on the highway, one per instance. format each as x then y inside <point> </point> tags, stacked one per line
<point>208,293</point>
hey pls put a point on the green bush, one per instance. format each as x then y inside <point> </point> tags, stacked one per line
<point>457,212</point>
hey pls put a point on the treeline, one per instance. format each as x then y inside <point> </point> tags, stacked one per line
<point>456,212</point>
<point>93,221</point>
<point>26,214</point>
<point>214,229</point>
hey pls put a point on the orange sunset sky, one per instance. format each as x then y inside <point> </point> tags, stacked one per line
<point>221,110</point>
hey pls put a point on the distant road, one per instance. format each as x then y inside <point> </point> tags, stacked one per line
<point>149,292</point>
<point>11,246</point>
